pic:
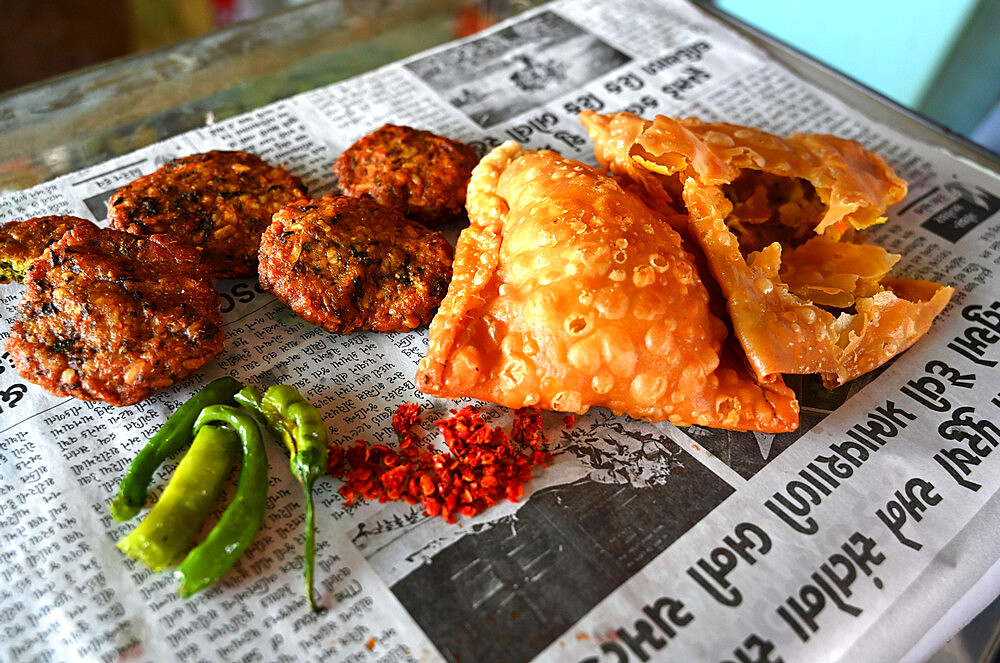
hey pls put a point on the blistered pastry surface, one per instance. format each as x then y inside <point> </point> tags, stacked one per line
<point>568,292</point>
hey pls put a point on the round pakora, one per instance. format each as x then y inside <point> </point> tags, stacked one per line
<point>111,316</point>
<point>219,202</point>
<point>418,173</point>
<point>350,264</point>
<point>23,241</point>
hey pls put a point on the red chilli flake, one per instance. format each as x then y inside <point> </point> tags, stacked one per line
<point>483,466</point>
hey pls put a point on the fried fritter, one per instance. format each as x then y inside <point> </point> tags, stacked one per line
<point>111,316</point>
<point>219,202</point>
<point>23,241</point>
<point>421,174</point>
<point>350,264</point>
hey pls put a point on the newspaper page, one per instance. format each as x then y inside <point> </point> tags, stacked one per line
<point>848,538</point>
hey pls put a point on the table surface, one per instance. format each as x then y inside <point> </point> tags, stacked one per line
<point>86,117</point>
<point>70,122</point>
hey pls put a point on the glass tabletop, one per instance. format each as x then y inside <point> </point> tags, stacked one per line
<point>88,116</point>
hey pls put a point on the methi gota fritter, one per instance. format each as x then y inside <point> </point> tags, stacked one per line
<point>110,316</point>
<point>568,292</point>
<point>350,264</point>
<point>219,202</point>
<point>23,241</point>
<point>419,174</point>
<point>777,219</point>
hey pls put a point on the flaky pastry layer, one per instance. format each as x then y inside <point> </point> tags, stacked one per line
<point>568,292</point>
<point>776,219</point>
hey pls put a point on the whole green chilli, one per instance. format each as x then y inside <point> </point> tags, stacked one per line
<point>163,535</point>
<point>300,426</point>
<point>243,518</point>
<point>175,434</point>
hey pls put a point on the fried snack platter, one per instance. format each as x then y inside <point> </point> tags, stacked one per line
<point>642,328</point>
<point>569,291</point>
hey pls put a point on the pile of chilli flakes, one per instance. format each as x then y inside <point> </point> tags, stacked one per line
<point>483,466</point>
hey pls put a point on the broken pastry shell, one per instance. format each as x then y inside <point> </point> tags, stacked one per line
<point>777,220</point>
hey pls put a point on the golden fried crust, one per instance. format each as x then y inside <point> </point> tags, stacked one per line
<point>417,173</point>
<point>219,202</point>
<point>568,292</point>
<point>23,241</point>
<point>855,185</point>
<point>613,137</point>
<point>780,306</point>
<point>350,264</point>
<point>773,217</point>
<point>107,315</point>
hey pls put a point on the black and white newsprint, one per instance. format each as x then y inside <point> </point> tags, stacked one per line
<point>847,540</point>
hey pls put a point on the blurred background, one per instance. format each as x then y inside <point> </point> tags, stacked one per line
<point>44,38</point>
<point>940,59</point>
<point>49,37</point>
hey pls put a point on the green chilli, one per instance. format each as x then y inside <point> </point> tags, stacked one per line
<point>175,434</point>
<point>163,535</point>
<point>300,426</point>
<point>244,516</point>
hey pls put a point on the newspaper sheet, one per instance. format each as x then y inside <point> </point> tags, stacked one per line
<point>849,538</point>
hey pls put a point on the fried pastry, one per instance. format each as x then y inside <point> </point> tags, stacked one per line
<point>613,137</point>
<point>568,292</point>
<point>777,220</point>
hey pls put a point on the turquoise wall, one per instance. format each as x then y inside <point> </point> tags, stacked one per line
<point>892,46</point>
